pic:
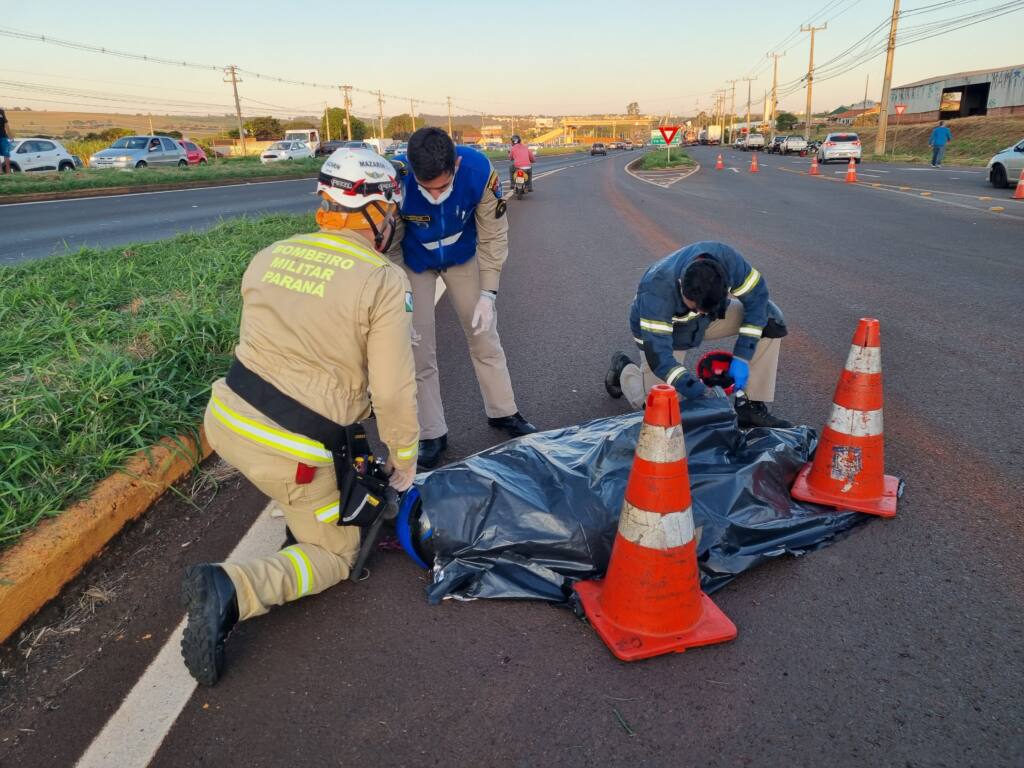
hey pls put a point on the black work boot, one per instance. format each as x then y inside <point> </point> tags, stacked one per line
<point>209,597</point>
<point>515,425</point>
<point>613,379</point>
<point>430,452</point>
<point>754,413</point>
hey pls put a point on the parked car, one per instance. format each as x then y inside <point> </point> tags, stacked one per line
<point>793,144</point>
<point>737,142</point>
<point>399,148</point>
<point>140,152</point>
<point>286,150</point>
<point>839,146</point>
<point>775,144</point>
<point>194,153</point>
<point>327,148</point>
<point>311,136</point>
<point>597,148</point>
<point>1004,168</point>
<point>753,141</point>
<point>41,155</point>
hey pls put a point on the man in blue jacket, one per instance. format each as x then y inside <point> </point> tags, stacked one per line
<point>940,137</point>
<point>706,290</point>
<point>453,226</point>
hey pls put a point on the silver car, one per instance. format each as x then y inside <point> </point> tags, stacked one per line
<point>1005,168</point>
<point>839,146</point>
<point>140,152</point>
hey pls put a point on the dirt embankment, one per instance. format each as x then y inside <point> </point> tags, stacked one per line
<point>975,139</point>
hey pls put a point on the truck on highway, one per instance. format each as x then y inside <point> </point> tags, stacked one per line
<point>309,135</point>
<point>710,135</point>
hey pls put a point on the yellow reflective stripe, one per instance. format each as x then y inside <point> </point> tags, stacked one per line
<point>335,243</point>
<point>685,318</point>
<point>288,442</point>
<point>674,374</point>
<point>409,451</point>
<point>329,513</point>
<point>751,330</point>
<point>303,569</point>
<point>749,283</point>
<point>655,326</point>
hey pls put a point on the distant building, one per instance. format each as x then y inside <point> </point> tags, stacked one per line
<point>997,92</point>
<point>850,116</point>
<point>544,122</point>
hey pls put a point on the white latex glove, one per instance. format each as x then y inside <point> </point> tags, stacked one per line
<point>401,479</point>
<point>483,314</point>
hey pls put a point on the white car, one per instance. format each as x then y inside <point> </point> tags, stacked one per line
<point>1005,168</point>
<point>40,155</point>
<point>839,146</point>
<point>286,150</point>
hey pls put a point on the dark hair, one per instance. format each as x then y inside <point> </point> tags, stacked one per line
<point>431,153</point>
<point>704,284</point>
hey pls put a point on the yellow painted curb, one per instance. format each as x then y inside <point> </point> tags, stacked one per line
<point>34,570</point>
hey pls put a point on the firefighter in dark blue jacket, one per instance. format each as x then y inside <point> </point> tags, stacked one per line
<point>453,226</point>
<point>706,290</point>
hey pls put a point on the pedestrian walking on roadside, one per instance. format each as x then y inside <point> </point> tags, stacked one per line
<point>454,227</point>
<point>939,139</point>
<point>325,326</point>
<point>5,143</point>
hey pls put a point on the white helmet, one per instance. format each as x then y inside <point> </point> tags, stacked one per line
<point>354,178</point>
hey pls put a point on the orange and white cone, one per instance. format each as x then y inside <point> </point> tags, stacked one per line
<point>851,172</point>
<point>649,602</point>
<point>719,163</point>
<point>848,471</point>
<point>1018,193</point>
<point>815,171</point>
<point>753,164</point>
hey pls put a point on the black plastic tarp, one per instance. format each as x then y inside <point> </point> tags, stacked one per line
<point>526,518</point>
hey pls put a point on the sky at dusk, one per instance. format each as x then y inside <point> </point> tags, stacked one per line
<point>497,58</point>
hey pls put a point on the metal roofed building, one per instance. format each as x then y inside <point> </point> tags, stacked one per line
<point>996,92</point>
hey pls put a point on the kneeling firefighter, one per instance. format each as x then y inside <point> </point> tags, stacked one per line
<point>706,290</point>
<point>326,321</point>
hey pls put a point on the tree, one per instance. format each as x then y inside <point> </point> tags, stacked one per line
<point>360,130</point>
<point>399,127</point>
<point>785,121</point>
<point>263,128</point>
<point>633,108</point>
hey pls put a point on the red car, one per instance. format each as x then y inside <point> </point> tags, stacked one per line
<point>195,153</point>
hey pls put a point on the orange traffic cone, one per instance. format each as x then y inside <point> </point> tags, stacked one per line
<point>851,172</point>
<point>815,171</point>
<point>649,603</point>
<point>1018,193</point>
<point>753,164</point>
<point>848,470</point>
<point>719,163</point>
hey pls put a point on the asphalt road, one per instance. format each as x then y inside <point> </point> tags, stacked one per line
<point>899,645</point>
<point>35,230</point>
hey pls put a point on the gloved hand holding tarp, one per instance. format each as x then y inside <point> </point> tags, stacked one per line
<point>527,518</point>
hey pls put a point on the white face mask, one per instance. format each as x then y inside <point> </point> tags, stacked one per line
<point>443,196</point>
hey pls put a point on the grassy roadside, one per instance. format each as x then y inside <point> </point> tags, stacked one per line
<point>663,158</point>
<point>104,352</point>
<point>93,178</point>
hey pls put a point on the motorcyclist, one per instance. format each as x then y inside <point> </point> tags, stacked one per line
<point>521,156</point>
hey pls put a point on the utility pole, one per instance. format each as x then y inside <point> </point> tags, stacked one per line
<point>732,113</point>
<point>883,107</point>
<point>412,113</point>
<point>450,118</point>
<point>749,81</point>
<point>327,119</point>
<point>346,91</point>
<point>810,77</point>
<point>380,112</point>
<point>864,104</point>
<point>151,131</point>
<point>232,73</point>
<point>770,116</point>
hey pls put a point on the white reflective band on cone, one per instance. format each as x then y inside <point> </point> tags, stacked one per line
<point>864,360</point>
<point>661,444</point>
<point>855,423</point>
<point>654,531</point>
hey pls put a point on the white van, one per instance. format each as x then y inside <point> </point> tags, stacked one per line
<point>309,135</point>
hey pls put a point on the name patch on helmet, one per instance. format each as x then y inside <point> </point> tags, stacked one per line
<point>372,164</point>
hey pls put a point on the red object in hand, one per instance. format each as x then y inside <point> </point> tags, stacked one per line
<point>304,473</point>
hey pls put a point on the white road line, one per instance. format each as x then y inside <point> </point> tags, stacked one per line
<point>131,738</point>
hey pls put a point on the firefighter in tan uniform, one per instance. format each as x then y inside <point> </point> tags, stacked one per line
<point>454,227</point>
<point>326,321</point>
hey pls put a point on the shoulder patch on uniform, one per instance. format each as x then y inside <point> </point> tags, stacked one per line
<point>408,301</point>
<point>401,167</point>
<point>499,209</point>
<point>495,185</point>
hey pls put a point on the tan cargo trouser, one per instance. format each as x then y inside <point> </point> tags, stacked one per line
<point>324,553</point>
<point>463,289</point>
<point>637,380</point>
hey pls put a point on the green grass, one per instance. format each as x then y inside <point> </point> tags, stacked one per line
<point>94,178</point>
<point>663,158</point>
<point>105,352</point>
